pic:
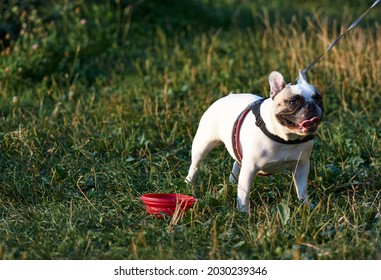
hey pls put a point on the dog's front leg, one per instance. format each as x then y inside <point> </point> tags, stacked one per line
<point>300,176</point>
<point>245,180</point>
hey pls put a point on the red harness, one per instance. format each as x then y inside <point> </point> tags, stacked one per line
<point>235,134</point>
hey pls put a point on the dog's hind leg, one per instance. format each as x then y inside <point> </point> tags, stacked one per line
<point>234,173</point>
<point>202,144</point>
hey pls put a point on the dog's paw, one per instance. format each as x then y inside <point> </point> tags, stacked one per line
<point>233,178</point>
<point>189,181</point>
<point>242,208</point>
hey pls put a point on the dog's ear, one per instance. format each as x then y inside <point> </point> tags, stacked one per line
<point>277,83</point>
<point>302,77</point>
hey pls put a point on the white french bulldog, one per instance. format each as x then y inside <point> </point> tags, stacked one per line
<point>277,135</point>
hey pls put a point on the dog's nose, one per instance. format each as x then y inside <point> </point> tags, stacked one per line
<point>308,105</point>
<point>311,107</point>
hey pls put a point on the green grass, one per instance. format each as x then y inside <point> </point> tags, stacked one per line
<point>99,102</point>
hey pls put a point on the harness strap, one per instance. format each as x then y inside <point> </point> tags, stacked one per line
<point>235,134</point>
<point>255,109</point>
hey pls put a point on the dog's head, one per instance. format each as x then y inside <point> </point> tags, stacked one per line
<point>298,108</point>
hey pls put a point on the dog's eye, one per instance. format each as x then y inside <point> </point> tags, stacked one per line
<point>293,103</point>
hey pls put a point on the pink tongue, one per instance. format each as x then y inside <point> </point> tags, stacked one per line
<point>309,123</point>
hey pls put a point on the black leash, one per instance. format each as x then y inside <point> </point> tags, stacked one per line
<point>356,22</point>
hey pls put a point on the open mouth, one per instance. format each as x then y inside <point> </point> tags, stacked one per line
<point>306,126</point>
<point>310,124</point>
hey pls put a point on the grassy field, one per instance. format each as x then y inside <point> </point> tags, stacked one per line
<point>99,102</point>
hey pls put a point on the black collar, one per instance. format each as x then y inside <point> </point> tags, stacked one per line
<point>255,108</point>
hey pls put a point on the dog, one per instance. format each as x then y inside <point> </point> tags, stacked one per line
<point>263,135</point>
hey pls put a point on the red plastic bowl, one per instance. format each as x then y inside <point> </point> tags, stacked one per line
<point>167,203</point>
